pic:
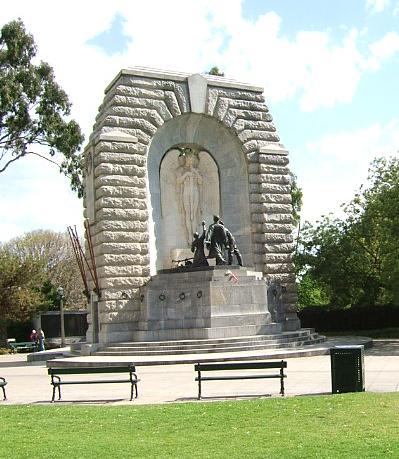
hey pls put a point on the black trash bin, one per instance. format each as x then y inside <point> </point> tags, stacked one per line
<point>347,369</point>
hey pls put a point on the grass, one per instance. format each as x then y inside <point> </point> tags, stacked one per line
<point>384,333</point>
<point>359,425</point>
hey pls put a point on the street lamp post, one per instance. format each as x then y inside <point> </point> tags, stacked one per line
<point>60,292</point>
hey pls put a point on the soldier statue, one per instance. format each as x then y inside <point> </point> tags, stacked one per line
<point>216,241</point>
<point>197,247</point>
<point>232,248</point>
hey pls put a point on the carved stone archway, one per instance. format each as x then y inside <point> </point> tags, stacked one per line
<point>144,114</point>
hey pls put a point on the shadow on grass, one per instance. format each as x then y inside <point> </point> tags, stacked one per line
<point>246,397</point>
<point>80,402</point>
<point>222,397</point>
<point>310,394</point>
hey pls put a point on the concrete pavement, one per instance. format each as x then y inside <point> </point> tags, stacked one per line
<point>28,382</point>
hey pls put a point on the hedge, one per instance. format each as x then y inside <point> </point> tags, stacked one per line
<point>355,318</point>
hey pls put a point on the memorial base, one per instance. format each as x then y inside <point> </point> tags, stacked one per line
<point>207,302</point>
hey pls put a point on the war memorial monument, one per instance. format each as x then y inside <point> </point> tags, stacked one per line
<point>170,155</point>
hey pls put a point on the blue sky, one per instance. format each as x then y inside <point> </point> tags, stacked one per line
<point>329,69</point>
<point>113,40</point>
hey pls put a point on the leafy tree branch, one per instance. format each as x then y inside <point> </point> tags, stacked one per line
<point>34,110</point>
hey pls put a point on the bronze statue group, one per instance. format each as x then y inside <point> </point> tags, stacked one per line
<point>217,239</point>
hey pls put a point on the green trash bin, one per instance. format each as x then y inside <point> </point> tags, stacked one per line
<point>347,369</point>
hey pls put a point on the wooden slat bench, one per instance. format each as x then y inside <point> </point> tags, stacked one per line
<point>233,366</point>
<point>56,374</point>
<point>3,383</point>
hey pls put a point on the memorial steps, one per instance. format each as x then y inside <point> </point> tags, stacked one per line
<point>286,340</point>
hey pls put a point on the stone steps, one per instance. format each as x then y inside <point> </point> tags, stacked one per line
<point>203,332</point>
<point>196,348</point>
<point>300,334</point>
<point>287,340</point>
<point>126,351</point>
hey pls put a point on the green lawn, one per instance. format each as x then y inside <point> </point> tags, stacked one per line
<point>359,425</point>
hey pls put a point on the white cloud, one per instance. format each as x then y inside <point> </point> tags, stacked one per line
<point>334,72</point>
<point>312,66</point>
<point>362,144</point>
<point>337,165</point>
<point>377,5</point>
<point>35,195</point>
<point>383,49</point>
<point>163,35</point>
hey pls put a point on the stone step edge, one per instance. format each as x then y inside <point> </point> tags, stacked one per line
<point>198,344</point>
<point>214,350</point>
<point>276,354</point>
<point>302,332</point>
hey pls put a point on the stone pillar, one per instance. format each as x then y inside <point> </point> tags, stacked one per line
<point>273,214</point>
<point>118,221</point>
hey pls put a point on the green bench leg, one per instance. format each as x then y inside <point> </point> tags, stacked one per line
<point>282,382</point>
<point>59,392</point>
<point>3,386</point>
<point>133,388</point>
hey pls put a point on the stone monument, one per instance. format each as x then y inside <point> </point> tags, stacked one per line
<point>168,151</point>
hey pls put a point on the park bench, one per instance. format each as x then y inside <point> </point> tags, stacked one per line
<point>3,383</point>
<point>57,382</point>
<point>28,346</point>
<point>226,367</point>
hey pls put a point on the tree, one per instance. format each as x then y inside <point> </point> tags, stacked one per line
<point>296,198</point>
<point>32,267</point>
<point>374,216</point>
<point>19,290</point>
<point>310,292</point>
<point>215,71</point>
<point>355,260</point>
<point>331,262</point>
<point>33,108</point>
<point>54,254</point>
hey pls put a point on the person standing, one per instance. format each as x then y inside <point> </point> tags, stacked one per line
<point>40,337</point>
<point>33,337</point>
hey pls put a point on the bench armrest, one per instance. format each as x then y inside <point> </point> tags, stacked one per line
<point>53,377</point>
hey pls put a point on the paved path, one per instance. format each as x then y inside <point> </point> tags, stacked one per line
<point>28,383</point>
